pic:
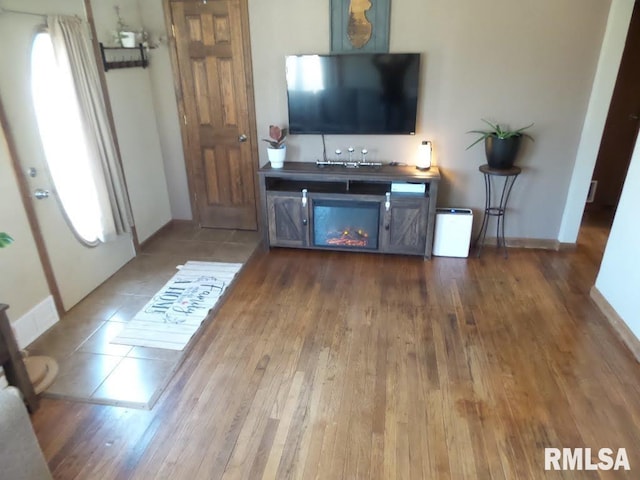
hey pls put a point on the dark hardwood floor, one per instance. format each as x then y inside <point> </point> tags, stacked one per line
<point>343,366</point>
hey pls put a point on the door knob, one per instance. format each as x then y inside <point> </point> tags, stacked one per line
<point>242,138</point>
<point>41,194</point>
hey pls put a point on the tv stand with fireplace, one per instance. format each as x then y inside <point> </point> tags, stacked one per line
<point>386,209</point>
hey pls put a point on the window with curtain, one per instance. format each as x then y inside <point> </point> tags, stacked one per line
<point>64,144</point>
<point>76,133</point>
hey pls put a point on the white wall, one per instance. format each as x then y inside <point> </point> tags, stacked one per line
<point>136,127</point>
<point>513,62</point>
<point>603,85</point>
<point>619,276</point>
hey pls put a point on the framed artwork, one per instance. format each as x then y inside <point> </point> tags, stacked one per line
<point>360,26</point>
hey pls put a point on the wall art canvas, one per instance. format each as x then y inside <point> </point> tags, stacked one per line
<point>360,26</point>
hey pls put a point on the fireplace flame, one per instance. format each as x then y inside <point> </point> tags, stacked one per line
<point>349,237</point>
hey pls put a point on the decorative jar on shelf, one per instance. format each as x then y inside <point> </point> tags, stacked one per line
<point>127,39</point>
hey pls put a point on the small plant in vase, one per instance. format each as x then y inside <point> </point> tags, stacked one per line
<point>501,144</point>
<point>124,36</point>
<point>277,149</point>
<point>5,239</point>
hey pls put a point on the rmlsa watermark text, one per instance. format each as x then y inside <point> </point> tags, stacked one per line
<point>580,459</point>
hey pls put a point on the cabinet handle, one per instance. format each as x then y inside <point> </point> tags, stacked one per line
<point>304,221</point>
<point>387,202</point>
<point>304,197</point>
<point>386,227</point>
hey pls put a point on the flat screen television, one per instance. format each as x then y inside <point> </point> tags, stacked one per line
<point>367,94</point>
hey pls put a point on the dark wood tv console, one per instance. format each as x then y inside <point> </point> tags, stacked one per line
<point>298,202</point>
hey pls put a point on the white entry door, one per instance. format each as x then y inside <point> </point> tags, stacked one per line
<point>77,267</point>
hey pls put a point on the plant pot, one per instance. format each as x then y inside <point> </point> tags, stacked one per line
<point>502,152</point>
<point>276,156</point>
<point>128,39</point>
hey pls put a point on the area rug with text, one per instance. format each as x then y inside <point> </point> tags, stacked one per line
<point>175,313</point>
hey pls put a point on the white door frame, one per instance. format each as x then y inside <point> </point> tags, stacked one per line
<point>601,94</point>
<point>128,247</point>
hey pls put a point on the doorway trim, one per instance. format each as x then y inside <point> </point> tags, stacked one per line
<point>173,55</point>
<point>601,94</point>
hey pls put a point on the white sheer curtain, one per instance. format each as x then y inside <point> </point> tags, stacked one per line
<point>74,50</point>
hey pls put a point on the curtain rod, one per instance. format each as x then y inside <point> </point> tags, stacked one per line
<point>19,12</point>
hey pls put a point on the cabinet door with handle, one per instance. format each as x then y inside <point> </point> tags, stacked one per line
<point>288,219</point>
<point>404,226</point>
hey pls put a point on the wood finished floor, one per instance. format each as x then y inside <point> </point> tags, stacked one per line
<point>343,366</point>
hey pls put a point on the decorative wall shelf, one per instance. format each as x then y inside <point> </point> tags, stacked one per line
<point>123,57</point>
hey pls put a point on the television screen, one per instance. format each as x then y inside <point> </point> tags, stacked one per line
<point>353,93</point>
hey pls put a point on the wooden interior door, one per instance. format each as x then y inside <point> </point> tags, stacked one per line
<point>623,120</point>
<point>213,60</point>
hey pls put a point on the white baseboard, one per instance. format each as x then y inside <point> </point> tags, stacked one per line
<point>618,324</point>
<point>35,322</point>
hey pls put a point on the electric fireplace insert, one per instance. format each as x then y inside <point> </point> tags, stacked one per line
<point>346,224</point>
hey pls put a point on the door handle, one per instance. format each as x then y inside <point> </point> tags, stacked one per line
<point>242,138</point>
<point>41,194</point>
<point>634,116</point>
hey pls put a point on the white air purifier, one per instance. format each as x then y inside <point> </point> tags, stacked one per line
<point>452,235</point>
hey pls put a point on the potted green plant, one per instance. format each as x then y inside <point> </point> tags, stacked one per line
<point>277,150</point>
<point>125,36</point>
<point>5,239</point>
<point>501,144</point>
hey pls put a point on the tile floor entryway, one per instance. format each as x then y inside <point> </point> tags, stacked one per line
<point>94,370</point>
